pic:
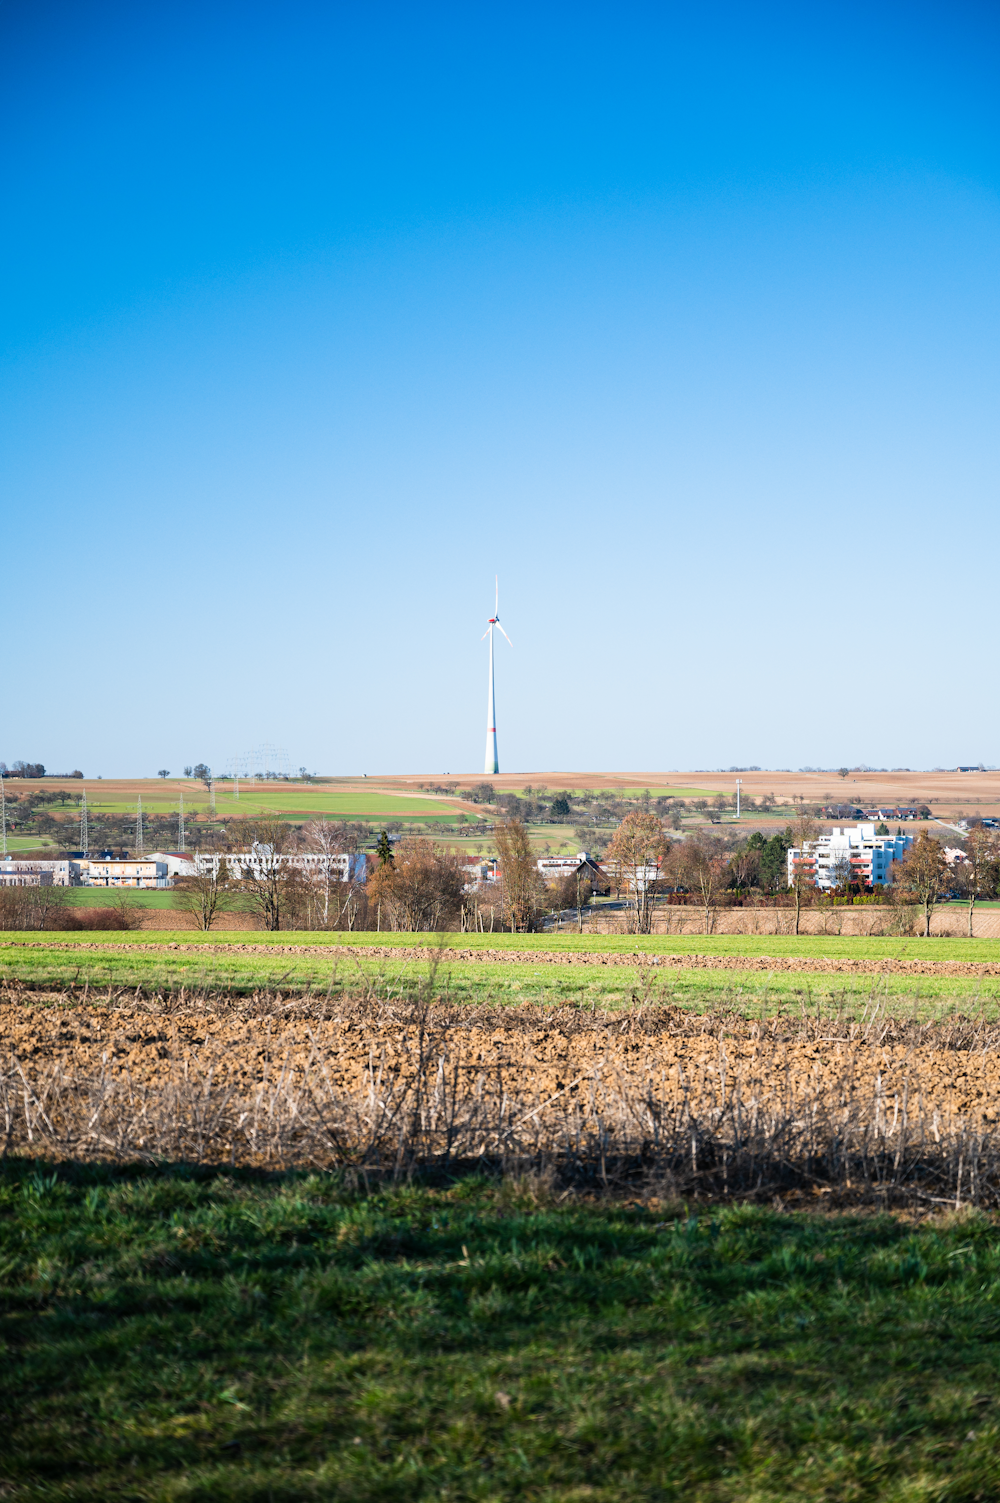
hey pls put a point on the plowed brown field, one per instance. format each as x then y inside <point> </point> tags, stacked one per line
<point>243,1051</point>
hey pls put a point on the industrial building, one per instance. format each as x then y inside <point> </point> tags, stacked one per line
<point>261,859</point>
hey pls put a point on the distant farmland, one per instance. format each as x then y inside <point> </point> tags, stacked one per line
<point>292,800</point>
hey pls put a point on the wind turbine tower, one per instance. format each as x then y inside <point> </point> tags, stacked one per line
<point>492,763</point>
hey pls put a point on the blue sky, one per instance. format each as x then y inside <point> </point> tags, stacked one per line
<point>682,319</point>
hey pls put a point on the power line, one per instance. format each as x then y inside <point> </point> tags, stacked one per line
<point>84,836</point>
<point>139,846</point>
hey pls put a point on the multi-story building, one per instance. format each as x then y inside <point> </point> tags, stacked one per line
<point>24,875</point>
<point>859,852</point>
<point>138,873</point>
<point>15,873</point>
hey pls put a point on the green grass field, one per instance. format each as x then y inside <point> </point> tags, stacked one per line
<point>279,798</point>
<point>179,1337</point>
<point>130,961</point>
<point>814,946</point>
<point>141,897</point>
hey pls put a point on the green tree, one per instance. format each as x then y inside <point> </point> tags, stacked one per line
<point>384,849</point>
<point>773,860</point>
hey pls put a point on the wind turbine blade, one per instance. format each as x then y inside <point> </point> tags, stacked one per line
<point>488,630</point>
<point>500,628</point>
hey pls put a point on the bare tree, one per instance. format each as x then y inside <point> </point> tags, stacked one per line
<point>637,849</point>
<point>205,894</point>
<point>421,888</point>
<point>519,873</point>
<point>330,841</point>
<point>921,875</point>
<point>976,875</point>
<point>701,864</point>
<point>802,880</point>
<point>744,865</point>
<point>263,875</point>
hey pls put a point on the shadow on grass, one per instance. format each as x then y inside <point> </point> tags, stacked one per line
<point>179,1333</point>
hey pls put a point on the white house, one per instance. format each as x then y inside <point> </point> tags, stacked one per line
<point>178,863</point>
<point>868,856</point>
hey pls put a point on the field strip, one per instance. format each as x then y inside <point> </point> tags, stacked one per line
<point>689,1063</point>
<point>817,965</point>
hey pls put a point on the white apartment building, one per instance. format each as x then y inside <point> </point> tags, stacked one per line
<point>869,856</point>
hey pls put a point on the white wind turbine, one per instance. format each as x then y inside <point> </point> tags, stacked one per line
<point>492,761</point>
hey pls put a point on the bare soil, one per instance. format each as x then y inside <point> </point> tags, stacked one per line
<point>956,1073</point>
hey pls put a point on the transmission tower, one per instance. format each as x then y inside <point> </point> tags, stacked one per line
<point>3,814</point>
<point>84,836</point>
<point>236,768</point>
<point>270,761</point>
<point>180,825</point>
<point>211,799</point>
<point>139,846</point>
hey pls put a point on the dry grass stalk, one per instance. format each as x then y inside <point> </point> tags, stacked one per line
<point>734,1121</point>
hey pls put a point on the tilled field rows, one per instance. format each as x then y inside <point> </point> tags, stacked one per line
<point>817,965</point>
<point>714,1106</point>
<point>240,1053</point>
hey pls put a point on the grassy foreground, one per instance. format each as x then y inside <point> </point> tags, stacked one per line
<point>180,1337</point>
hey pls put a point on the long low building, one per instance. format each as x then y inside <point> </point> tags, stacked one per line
<point>140,872</point>
<point>24,876</point>
<point>259,860</point>
<point>858,854</point>
<point>84,871</point>
<point>14,873</point>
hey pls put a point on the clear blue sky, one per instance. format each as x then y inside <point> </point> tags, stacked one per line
<point>682,318</point>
